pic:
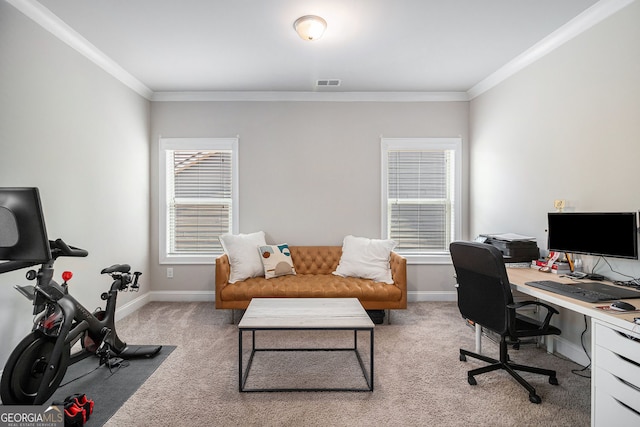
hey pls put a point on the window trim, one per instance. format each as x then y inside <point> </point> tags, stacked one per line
<point>192,144</point>
<point>416,144</point>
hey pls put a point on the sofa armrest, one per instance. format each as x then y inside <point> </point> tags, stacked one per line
<point>398,265</point>
<point>223,270</point>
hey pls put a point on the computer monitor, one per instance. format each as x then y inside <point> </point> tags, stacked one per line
<point>23,235</point>
<point>611,234</point>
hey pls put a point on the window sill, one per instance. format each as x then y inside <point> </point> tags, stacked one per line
<point>189,259</point>
<point>435,258</point>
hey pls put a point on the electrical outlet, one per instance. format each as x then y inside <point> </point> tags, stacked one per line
<point>169,273</point>
<point>558,204</point>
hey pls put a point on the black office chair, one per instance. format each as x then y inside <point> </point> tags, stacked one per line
<point>484,297</point>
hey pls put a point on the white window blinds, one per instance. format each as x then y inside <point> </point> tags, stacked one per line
<point>420,192</point>
<point>199,197</point>
<point>200,209</point>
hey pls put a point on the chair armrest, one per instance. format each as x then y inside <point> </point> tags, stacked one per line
<point>538,303</point>
<point>550,310</point>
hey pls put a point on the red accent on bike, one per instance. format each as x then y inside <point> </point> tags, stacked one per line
<point>67,275</point>
<point>50,322</point>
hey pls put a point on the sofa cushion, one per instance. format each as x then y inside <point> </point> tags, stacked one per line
<point>244,258</point>
<point>366,258</point>
<point>276,260</point>
<point>315,259</point>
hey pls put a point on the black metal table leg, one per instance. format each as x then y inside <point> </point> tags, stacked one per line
<point>244,373</point>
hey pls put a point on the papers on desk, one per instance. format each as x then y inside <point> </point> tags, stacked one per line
<point>518,265</point>
<point>512,237</point>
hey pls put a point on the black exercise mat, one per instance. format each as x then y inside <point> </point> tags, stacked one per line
<point>109,389</point>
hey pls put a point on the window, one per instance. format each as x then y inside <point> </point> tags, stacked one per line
<point>198,197</point>
<point>421,186</point>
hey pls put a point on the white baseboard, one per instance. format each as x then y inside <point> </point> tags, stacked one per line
<point>128,308</point>
<point>417,296</point>
<point>570,350</point>
<point>183,296</point>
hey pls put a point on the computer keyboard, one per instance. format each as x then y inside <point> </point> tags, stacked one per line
<point>572,291</point>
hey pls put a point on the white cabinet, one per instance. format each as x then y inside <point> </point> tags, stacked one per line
<point>615,375</point>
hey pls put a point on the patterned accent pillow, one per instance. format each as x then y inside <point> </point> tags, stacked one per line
<point>276,260</point>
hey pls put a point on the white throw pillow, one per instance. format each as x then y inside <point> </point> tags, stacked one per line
<point>366,258</point>
<point>243,256</point>
<point>276,260</point>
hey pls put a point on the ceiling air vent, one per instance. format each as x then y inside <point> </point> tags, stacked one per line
<point>328,83</point>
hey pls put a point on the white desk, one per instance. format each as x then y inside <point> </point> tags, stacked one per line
<point>615,350</point>
<point>519,276</point>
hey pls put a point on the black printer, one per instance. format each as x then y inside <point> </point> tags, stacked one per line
<point>514,248</point>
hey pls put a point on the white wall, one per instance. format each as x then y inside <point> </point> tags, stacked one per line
<point>567,127</point>
<point>83,138</point>
<point>309,171</point>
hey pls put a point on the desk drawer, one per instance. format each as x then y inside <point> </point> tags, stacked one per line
<point>615,383</point>
<point>626,344</point>
<point>615,401</point>
<point>610,361</point>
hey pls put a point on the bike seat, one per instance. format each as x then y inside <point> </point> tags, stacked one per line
<point>116,268</point>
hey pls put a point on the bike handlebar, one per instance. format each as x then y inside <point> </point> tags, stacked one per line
<point>58,248</point>
<point>66,250</point>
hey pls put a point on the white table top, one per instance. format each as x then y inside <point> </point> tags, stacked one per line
<point>294,313</point>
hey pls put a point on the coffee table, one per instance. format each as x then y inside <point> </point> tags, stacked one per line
<point>296,314</point>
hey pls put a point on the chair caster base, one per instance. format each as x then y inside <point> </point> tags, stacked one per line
<point>472,381</point>
<point>553,380</point>
<point>534,398</point>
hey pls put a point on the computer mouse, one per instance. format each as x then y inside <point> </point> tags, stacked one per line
<point>622,306</point>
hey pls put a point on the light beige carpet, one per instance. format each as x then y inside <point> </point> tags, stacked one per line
<point>419,380</point>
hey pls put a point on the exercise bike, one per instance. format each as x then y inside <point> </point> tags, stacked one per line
<point>39,362</point>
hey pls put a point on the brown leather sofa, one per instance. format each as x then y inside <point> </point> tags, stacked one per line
<point>314,279</point>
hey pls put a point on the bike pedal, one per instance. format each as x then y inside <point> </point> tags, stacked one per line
<point>114,362</point>
<point>104,357</point>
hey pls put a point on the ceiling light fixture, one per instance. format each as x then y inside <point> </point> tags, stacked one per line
<point>310,27</point>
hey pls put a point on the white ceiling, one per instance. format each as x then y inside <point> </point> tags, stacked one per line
<point>370,45</point>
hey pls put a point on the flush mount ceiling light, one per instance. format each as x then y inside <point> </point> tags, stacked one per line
<point>310,27</point>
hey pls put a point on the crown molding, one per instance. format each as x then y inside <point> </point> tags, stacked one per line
<point>310,96</point>
<point>587,19</point>
<point>50,22</point>
<point>592,16</point>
